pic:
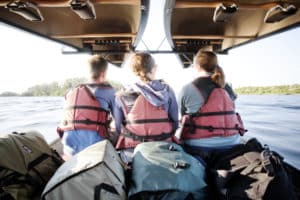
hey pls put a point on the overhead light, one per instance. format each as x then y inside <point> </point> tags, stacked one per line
<point>84,9</point>
<point>223,13</point>
<point>278,13</point>
<point>27,10</point>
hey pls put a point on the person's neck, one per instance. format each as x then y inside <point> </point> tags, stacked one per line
<point>99,81</point>
<point>203,73</point>
<point>144,82</point>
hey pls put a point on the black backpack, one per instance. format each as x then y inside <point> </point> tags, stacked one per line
<point>249,171</point>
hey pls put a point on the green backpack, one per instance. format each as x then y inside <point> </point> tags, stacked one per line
<point>27,163</point>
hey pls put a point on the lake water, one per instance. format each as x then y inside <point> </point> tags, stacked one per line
<point>273,119</point>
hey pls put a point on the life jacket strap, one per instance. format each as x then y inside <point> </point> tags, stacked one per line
<point>87,108</point>
<point>204,114</point>
<point>143,121</point>
<point>212,128</point>
<point>87,121</point>
<point>145,138</point>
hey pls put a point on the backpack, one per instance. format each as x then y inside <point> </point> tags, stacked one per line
<point>162,170</point>
<point>252,172</point>
<point>94,173</point>
<point>27,163</point>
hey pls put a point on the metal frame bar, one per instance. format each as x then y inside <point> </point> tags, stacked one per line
<point>112,52</point>
<point>214,4</point>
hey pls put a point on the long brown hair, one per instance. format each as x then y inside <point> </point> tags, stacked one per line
<point>142,64</point>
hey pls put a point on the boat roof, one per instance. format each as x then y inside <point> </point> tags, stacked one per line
<point>115,27</point>
<point>88,26</point>
<point>217,25</point>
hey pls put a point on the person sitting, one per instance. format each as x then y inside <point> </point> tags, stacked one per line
<point>146,111</point>
<point>87,110</point>
<point>207,107</point>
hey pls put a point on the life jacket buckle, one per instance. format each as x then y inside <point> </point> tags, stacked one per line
<point>88,121</point>
<point>192,128</point>
<point>172,148</point>
<point>210,128</point>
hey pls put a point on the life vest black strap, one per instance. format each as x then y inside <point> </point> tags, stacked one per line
<point>87,121</point>
<point>205,85</point>
<point>101,85</point>
<point>87,108</point>
<point>145,138</point>
<point>212,128</point>
<point>144,121</point>
<point>212,113</point>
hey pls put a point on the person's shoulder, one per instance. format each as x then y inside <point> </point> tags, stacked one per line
<point>166,85</point>
<point>187,87</point>
<point>129,90</point>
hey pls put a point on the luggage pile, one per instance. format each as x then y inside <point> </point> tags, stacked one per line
<point>159,170</point>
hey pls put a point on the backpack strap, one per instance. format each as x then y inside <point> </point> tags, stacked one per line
<point>106,187</point>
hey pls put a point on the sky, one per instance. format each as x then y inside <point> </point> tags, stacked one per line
<point>27,60</point>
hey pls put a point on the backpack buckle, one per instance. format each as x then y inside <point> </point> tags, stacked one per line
<point>266,156</point>
<point>181,165</point>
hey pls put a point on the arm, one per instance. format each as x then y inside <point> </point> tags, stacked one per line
<point>181,104</point>
<point>118,114</point>
<point>230,91</point>
<point>173,108</point>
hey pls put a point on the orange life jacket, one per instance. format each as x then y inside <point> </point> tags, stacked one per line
<point>143,122</point>
<point>216,117</point>
<point>83,111</point>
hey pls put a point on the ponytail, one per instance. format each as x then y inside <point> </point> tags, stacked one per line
<point>141,65</point>
<point>219,77</point>
<point>143,76</point>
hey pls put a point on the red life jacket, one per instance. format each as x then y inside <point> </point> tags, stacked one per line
<point>143,122</point>
<point>82,111</point>
<point>216,117</point>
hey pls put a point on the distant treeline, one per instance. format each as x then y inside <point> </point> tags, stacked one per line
<point>283,89</point>
<point>54,88</point>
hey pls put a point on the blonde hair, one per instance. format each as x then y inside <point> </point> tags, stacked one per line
<point>208,61</point>
<point>97,65</point>
<point>142,64</point>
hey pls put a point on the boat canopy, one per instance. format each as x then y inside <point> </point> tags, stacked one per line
<point>222,25</point>
<point>87,25</point>
<point>115,27</point>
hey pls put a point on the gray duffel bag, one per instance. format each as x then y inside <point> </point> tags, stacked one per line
<point>93,174</point>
